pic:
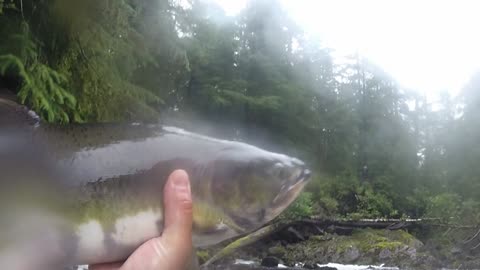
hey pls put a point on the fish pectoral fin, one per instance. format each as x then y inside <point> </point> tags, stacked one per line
<point>209,228</point>
<point>207,219</point>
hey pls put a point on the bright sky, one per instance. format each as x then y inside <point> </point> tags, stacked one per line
<point>427,45</point>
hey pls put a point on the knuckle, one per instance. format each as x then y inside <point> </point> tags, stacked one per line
<point>187,206</point>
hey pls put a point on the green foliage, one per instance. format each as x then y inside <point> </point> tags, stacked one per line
<point>100,60</point>
<point>302,207</point>
<point>336,195</point>
<point>41,87</point>
<point>80,58</point>
<point>453,209</point>
<point>446,206</point>
<point>372,204</point>
<point>470,211</point>
<point>203,256</point>
<point>44,89</point>
<point>12,64</point>
<point>326,204</point>
<point>417,202</point>
<point>345,196</point>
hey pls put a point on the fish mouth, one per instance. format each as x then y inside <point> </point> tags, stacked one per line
<point>288,194</point>
<point>295,184</point>
<point>301,179</point>
<point>283,199</point>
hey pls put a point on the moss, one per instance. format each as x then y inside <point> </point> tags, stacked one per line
<point>241,242</point>
<point>369,239</point>
<point>344,244</point>
<point>308,249</point>
<point>401,236</point>
<point>331,247</point>
<point>277,250</point>
<point>387,245</point>
<point>203,256</point>
<point>321,238</point>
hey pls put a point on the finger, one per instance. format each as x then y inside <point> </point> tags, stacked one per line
<point>173,248</point>
<point>105,266</point>
<point>178,206</point>
<point>177,234</point>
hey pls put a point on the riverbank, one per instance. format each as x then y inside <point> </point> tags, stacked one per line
<point>363,246</point>
<point>304,249</point>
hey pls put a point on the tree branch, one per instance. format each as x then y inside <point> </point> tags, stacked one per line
<point>21,9</point>
<point>473,237</point>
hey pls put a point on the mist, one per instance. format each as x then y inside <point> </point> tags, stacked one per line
<point>382,104</point>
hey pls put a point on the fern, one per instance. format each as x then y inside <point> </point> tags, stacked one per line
<point>78,61</point>
<point>47,94</point>
<point>100,59</point>
<point>10,64</point>
<point>42,88</point>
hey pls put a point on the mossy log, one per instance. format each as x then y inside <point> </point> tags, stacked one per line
<point>333,226</point>
<point>391,224</point>
<point>245,240</point>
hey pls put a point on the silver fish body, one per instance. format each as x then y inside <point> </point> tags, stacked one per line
<point>106,198</point>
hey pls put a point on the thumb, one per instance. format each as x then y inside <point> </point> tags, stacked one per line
<point>177,232</point>
<point>172,250</point>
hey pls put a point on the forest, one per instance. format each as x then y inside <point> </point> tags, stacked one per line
<point>377,150</point>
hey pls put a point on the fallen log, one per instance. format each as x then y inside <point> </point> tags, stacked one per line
<point>391,224</point>
<point>244,241</point>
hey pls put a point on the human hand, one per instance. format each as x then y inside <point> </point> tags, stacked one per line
<point>171,251</point>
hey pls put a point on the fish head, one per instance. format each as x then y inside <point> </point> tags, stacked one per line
<point>254,186</point>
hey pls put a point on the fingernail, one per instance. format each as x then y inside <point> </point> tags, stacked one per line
<point>182,188</point>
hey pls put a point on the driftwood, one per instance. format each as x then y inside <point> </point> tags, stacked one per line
<point>334,225</point>
<point>244,241</point>
<point>472,238</point>
<point>391,224</point>
<point>245,267</point>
